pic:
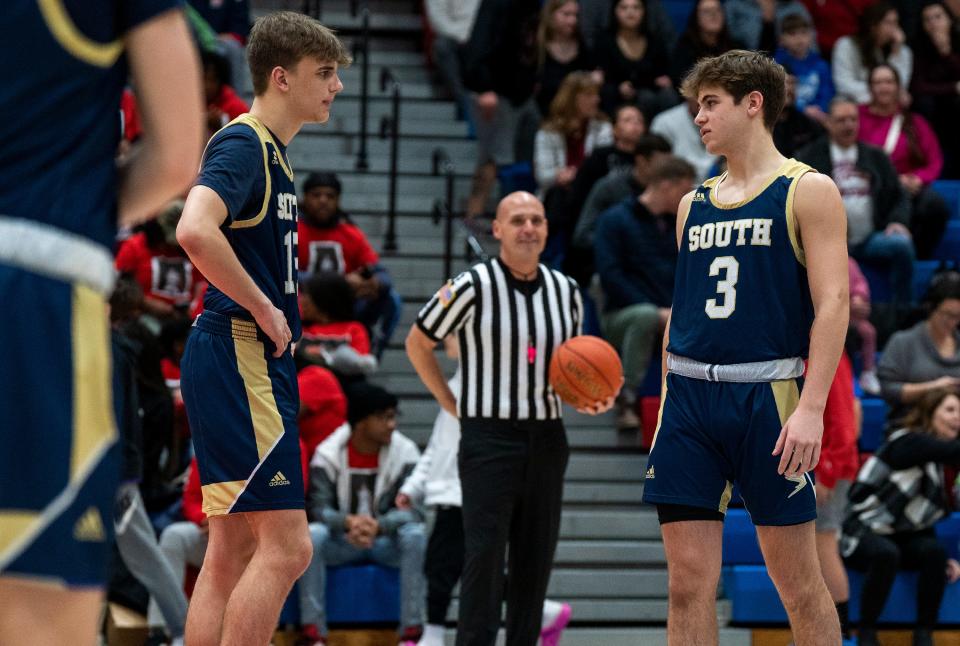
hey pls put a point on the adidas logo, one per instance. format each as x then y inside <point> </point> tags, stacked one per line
<point>279,479</point>
<point>89,528</point>
<point>650,474</point>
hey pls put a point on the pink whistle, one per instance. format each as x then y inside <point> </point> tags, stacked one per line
<point>531,354</point>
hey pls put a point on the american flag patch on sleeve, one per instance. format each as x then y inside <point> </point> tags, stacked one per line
<point>446,294</point>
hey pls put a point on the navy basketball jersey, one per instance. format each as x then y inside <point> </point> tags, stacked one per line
<point>741,291</point>
<point>60,84</point>
<point>248,168</point>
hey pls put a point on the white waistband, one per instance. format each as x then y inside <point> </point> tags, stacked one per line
<point>773,370</point>
<point>46,250</point>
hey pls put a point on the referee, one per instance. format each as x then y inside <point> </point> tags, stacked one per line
<point>509,314</point>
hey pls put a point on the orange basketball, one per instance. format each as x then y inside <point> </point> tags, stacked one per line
<point>585,370</point>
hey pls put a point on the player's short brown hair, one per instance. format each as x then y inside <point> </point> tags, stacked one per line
<point>740,72</point>
<point>283,38</point>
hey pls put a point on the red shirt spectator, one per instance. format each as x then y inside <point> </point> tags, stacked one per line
<point>131,116</point>
<point>228,102</point>
<point>323,406</point>
<point>164,273</point>
<point>838,453</point>
<point>336,333</point>
<point>834,19</point>
<point>342,248</point>
<point>193,497</point>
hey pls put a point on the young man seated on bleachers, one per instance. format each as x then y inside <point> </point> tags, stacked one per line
<point>355,475</point>
<point>329,241</point>
<point>636,252</point>
<point>878,211</point>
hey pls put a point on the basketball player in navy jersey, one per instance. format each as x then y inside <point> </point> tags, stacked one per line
<point>61,197</point>
<point>761,285</point>
<point>239,383</point>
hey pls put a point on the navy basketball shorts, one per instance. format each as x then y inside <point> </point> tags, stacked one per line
<point>714,434</point>
<point>59,466</point>
<point>242,405</point>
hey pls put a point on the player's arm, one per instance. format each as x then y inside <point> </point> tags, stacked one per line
<point>200,236</point>
<point>682,212</point>
<point>167,75</point>
<point>420,351</point>
<point>822,225</point>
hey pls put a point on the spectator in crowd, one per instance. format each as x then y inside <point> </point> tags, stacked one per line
<point>677,127</point>
<point>355,476</point>
<point>879,39</point>
<point>595,18</point>
<point>452,21</point>
<point>223,103</point>
<point>161,267</point>
<point>436,482</point>
<point>794,129</point>
<point>860,321</point>
<point>329,241</point>
<point>332,337</point>
<point>182,543</point>
<point>706,35</point>
<point>814,81</point>
<point>573,129</point>
<point>877,208</point>
<point>936,79</point>
<point>834,20</point>
<point>230,20</point>
<point>896,499</point>
<point>834,473</point>
<point>560,49</point>
<point>629,126</point>
<point>634,61</point>
<point>500,68</point>
<point>323,406</point>
<point>636,252</point>
<point>914,150</point>
<point>616,187</point>
<point>755,22</point>
<point>927,356</point>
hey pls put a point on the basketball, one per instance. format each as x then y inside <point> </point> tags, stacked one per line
<point>585,370</point>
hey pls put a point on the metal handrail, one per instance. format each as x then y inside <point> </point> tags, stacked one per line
<point>362,49</point>
<point>445,208</point>
<point>390,127</point>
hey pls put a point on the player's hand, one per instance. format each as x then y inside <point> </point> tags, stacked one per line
<point>799,443</point>
<point>274,325</point>
<point>953,571</point>
<point>602,406</point>
<point>402,501</point>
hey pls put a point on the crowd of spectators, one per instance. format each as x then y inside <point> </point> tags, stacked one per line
<point>586,94</point>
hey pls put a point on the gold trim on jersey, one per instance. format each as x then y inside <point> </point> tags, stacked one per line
<point>264,413</point>
<point>219,498</point>
<point>725,497</point>
<point>65,32</point>
<point>793,228</point>
<point>786,394</point>
<point>663,401</point>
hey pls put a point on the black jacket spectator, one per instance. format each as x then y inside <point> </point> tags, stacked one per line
<point>501,55</point>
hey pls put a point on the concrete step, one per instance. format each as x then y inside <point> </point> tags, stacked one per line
<point>616,584</point>
<point>624,553</point>
<point>578,438</point>
<point>409,126</point>
<point>609,524</point>
<point>421,412</point>
<point>406,23</point>
<point>415,71</point>
<point>375,6</point>
<point>313,150</point>
<point>348,104</point>
<point>407,90</point>
<point>432,187</point>
<point>305,161</point>
<point>424,268</point>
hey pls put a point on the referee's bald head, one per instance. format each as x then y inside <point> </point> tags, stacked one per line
<point>518,199</point>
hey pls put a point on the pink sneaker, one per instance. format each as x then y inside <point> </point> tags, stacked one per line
<point>550,636</point>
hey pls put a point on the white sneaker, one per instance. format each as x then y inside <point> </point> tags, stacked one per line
<point>869,382</point>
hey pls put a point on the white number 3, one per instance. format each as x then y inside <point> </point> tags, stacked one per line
<point>726,287</point>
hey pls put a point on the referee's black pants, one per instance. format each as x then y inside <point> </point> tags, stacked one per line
<point>511,474</point>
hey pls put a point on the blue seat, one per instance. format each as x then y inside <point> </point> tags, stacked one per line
<point>949,247</point>
<point>516,177</point>
<point>949,190</point>
<point>356,594</point>
<point>874,420</point>
<point>923,271</point>
<point>740,546</point>
<point>679,12</point>
<point>879,282</point>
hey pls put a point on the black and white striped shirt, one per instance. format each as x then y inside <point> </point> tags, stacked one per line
<point>508,330</point>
